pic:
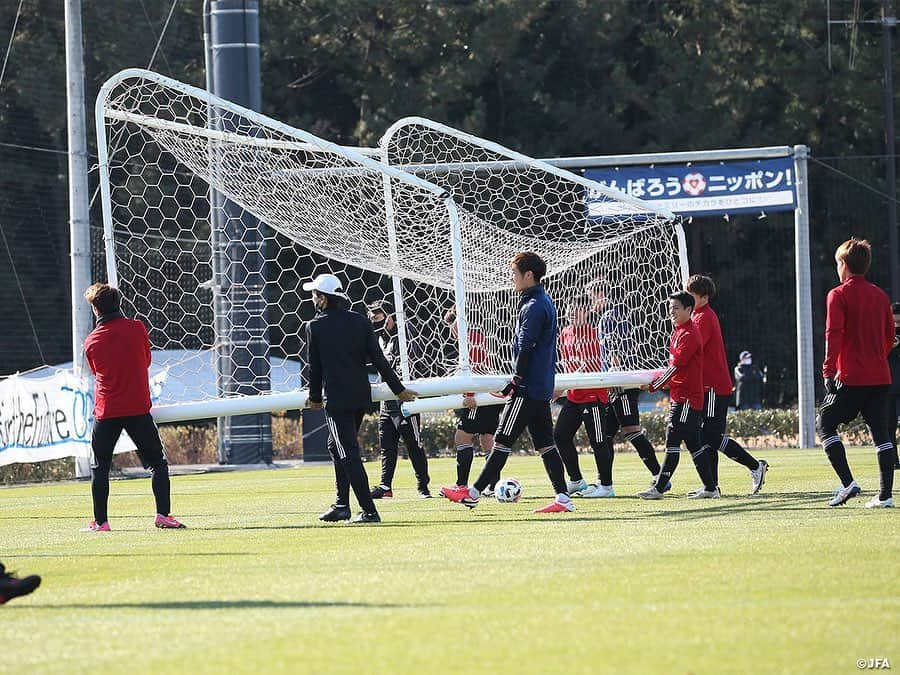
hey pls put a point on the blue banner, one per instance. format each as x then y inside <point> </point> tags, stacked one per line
<point>715,188</point>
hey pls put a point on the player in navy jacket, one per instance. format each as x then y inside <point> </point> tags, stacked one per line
<point>529,391</point>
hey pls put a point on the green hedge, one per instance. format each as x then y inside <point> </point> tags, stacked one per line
<point>196,443</point>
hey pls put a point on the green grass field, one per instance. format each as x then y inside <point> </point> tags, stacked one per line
<point>774,583</point>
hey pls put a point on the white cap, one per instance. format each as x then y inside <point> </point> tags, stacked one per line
<point>325,283</point>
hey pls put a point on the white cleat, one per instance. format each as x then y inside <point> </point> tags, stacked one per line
<point>705,494</point>
<point>759,476</point>
<point>844,494</point>
<point>573,486</point>
<point>598,491</point>
<point>876,503</point>
<point>650,493</point>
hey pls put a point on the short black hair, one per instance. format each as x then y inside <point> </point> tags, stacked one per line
<point>701,285</point>
<point>526,261</point>
<point>685,298</point>
<point>895,308</point>
<point>107,299</point>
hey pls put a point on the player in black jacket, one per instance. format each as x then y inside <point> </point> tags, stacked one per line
<point>894,389</point>
<point>341,343</point>
<point>392,425</point>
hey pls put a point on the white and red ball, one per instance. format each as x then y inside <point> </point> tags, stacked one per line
<point>508,490</point>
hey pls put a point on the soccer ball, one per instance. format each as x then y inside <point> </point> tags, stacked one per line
<point>508,490</point>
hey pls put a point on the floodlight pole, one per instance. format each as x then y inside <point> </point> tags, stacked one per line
<point>231,31</point>
<point>887,25</point>
<point>79,202</point>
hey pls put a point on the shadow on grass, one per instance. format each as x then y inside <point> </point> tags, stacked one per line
<point>164,554</point>
<point>219,604</point>
<point>782,501</point>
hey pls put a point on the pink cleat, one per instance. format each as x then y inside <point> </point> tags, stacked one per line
<point>557,506</point>
<point>167,523</point>
<point>460,495</point>
<point>94,527</point>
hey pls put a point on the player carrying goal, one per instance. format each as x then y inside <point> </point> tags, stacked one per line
<point>529,391</point>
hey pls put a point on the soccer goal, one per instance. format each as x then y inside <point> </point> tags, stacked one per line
<point>214,215</point>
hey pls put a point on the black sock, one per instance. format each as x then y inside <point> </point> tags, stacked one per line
<point>734,450</point>
<point>100,492</point>
<point>886,458</point>
<point>388,465</point>
<point>161,490</point>
<point>644,450</point>
<point>603,456</point>
<point>712,462</point>
<point>464,455</point>
<point>492,468</point>
<point>838,458</point>
<point>554,466</point>
<point>670,463</point>
<point>702,464</point>
<point>569,456</point>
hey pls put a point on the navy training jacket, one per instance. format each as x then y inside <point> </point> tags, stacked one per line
<point>536,331</point>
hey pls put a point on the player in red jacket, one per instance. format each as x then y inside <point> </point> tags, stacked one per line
<point>118,353</point>
<point>859,334</point>
<point>684,378</point>
<point>579,351</point>
<point>718,387</point>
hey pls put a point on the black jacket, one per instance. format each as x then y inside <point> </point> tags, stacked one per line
<point>341,343</point>
<point>894,363</point>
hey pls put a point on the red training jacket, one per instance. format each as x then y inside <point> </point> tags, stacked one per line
<point>579,349</point>
<point>685,372</point>
<point>118,352</point>
<point>477,352</point>
<point>859,333</point>
<point>716,375</point>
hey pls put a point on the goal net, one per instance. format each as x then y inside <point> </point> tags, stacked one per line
<point>214,215</point>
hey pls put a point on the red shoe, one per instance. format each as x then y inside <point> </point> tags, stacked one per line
<point>94,527</point>
<point>557,507</point>
<point>460,495</point>
<point>167,523</point>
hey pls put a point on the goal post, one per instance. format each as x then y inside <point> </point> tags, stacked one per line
<point>427,225</point>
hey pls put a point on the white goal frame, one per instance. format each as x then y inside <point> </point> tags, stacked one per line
<point>464,381</point>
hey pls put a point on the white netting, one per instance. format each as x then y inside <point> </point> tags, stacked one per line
<point>223,286</point>
<point>618,256</point>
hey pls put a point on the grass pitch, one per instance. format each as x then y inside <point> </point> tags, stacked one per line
<point>774,583</point>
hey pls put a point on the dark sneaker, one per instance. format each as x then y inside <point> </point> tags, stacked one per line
<point>381,492</point>
<point>11,587</point>
<point>335,514</point>
<point>424,493</point>
<point>364,518</point>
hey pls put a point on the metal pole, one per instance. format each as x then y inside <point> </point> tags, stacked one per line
<point>396,281</point>
<point>215,236</point>
<point>805,388</point>
<point>79,221</point>
<point>240,256</point>
<point>888,22</point>
<point>459,288</point>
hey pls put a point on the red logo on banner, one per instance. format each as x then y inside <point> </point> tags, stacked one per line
<point>694,184</point>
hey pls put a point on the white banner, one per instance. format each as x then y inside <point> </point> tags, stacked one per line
<point>47,418</point>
